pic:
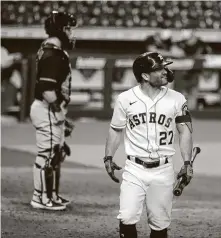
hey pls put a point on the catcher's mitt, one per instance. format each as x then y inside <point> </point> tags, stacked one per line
<point>69,127</point>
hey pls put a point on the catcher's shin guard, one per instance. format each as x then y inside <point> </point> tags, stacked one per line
<point>56,165</point>
<point>158,234</point>
<point>43,178</point>
<point>57,175</point>
<point>56,160</point>
<point>47,179</point>
<point>128,231</point>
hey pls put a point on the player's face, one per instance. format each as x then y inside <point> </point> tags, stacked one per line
<point>70,32</point>
<point>158,78</point>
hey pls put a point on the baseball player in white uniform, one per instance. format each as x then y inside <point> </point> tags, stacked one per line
<point>150,113</point>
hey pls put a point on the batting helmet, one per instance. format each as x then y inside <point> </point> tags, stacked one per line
<point>149,62</point>
<point>54,27</point>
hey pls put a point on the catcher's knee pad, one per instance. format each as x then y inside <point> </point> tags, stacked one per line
<point>158,234</point>
<point>128,231</point>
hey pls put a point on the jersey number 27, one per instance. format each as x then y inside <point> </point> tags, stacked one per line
<point>166,138</point>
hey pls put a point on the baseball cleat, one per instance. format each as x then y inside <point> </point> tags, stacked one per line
<point>61,200</point>
<point>50,205</point>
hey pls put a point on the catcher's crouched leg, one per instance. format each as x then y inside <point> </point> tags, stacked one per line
<point>128,231</point>
<point>43,185</point>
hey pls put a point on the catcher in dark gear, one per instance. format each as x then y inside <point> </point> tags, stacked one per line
<point>49,109</point>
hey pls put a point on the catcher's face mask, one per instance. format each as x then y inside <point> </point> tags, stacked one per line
<point>70,33</point>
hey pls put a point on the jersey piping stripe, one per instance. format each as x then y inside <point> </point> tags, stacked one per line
<point>48,80</point>
<point>156,132</point>
<point>155,123</point>
<point>146,114</point>
<point>123,108</point>
<point>114,126</point>
<point>162,96</point>
<point>138,146</point>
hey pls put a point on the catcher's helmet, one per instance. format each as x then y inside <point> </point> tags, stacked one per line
<point>149,62</point>
<point>54,26</point>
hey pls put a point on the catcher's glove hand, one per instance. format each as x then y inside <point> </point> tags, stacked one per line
<point>69,127</point>
<point>110,166</point>
<point>186,172</point>
<point>65,151</point>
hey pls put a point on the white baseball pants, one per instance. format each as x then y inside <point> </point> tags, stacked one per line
<point>152,187</point>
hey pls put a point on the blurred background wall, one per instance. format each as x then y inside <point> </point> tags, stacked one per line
<point>110,35</point>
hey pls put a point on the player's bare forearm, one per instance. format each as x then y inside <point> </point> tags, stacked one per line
<point>185,141</point>
<point>113,141</point>
<point>50,96</point>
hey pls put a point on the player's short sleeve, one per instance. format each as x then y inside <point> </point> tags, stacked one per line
<point>181,105</point>
<point>119,117</point>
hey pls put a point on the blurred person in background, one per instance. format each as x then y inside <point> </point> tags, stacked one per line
<point>11,79</point>
<point>192,45</point>
<point>161,41</point>
<point>194,48</point>
<point>49,109</point>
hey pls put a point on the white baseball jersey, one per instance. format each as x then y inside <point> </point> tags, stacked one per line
<point>150,124</point>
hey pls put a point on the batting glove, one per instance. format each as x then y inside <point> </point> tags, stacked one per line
<point>186,172</point>
<point>110,166</point>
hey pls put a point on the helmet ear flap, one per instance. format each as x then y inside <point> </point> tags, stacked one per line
<point>170,75</point>
<point>145,76</point>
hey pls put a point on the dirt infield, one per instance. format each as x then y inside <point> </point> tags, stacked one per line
<point>94,207</point>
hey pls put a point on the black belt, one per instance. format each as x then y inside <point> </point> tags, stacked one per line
<point>149,165</point>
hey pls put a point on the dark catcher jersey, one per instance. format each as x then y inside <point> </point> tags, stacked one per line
<point>53,72</point>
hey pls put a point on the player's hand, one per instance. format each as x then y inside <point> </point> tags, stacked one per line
<point>17,56</point>
<point>64,107</point>
<point>65,151</point>
<point>60,118</point>
<point>69,127</point>
<point>110,166</point>
<point>186,172</point>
